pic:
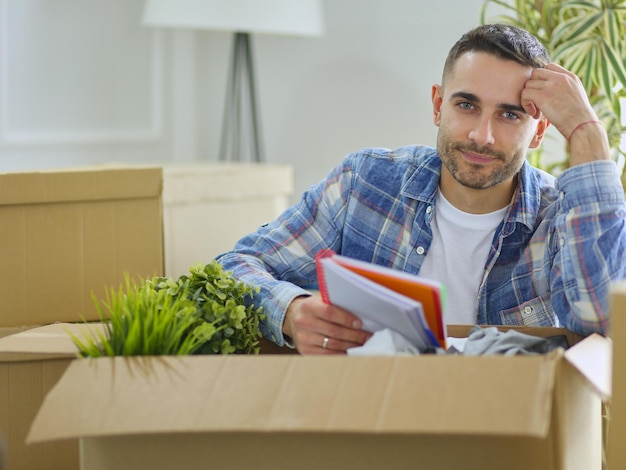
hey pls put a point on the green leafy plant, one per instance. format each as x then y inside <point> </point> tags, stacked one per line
<point>221,301</point>
<point>202,313</point>
<point>588,37</point>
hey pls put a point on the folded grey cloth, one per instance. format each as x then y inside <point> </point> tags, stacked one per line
<point>489,340</point>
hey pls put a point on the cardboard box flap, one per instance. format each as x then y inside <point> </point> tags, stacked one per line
<point>80,184</point>
<point>46,342</point>
<point>282,393</point>
<point>592,358</point>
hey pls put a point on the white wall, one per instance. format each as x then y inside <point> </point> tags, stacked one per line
<point>82,82</point>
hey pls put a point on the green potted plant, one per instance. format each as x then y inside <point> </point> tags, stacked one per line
<point>588,37</point>
<point>202,313</point>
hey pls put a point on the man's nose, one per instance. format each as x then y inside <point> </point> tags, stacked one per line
<point>482,132</point>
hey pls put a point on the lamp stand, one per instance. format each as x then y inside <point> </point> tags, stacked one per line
<point>241,136</point>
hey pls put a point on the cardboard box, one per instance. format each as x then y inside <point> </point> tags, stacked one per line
<point>11,331</point>
<point>31,363</point>
<point>67,234</point>
<point>208,207</point>
<point>280,411</point>
<point>616,451</point>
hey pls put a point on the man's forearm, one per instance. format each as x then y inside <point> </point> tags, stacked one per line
<point>274,295</point>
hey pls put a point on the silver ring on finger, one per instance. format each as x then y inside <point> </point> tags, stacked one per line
<point>325,342</point>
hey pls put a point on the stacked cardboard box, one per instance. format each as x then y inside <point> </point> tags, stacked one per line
<point>66,235</point>
<point>208,207</point>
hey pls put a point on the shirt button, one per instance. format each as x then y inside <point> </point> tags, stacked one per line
<point>561,241</point>
<point>429,209</point>
<point>528,309</point>
<point>561,195</point>
<point>420,250</point>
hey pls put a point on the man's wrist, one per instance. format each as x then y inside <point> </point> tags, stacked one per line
<point>287,339</point>
<point>588,142</point>
<point>581,125</point>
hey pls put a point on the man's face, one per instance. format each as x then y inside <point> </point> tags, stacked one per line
<point>484,132</point>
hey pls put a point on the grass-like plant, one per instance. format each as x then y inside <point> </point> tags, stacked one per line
<point>203,313</point>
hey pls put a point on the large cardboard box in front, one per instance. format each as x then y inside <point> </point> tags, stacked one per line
<point>311,412</point>
<point>68,234</point>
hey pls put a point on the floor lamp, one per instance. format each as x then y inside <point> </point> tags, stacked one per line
<point>241,127</point>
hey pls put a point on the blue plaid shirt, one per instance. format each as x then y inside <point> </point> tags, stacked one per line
<point>551,263</point>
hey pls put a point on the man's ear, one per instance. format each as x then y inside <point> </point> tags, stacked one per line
<point>437,99</point>
<point>542,126</point>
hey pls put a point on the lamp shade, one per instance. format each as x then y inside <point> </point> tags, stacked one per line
<point>291,17</point>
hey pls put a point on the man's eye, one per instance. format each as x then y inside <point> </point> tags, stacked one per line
<point>465,105</point>
<point>511,115</point>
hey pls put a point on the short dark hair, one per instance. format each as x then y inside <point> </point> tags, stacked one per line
<point>503,41</point>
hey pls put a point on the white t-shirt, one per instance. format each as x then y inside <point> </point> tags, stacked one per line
<point>457,256</point>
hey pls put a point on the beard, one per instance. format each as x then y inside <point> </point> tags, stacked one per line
<point>474,175</point>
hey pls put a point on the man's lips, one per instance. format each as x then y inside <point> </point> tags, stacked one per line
<point>478,158</point>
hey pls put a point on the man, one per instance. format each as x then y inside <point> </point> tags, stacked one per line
<point>512,244</point>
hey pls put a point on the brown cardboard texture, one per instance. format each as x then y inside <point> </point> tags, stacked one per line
<point>67,234</point>
<point>435,412</point>
<point>31,362</point>
<point>616,451</point>
<point>12,330</point>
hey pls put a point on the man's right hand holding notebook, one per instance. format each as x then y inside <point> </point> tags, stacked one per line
<point>319,328</point>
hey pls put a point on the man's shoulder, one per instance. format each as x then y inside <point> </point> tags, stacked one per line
<point>407,153</point>
<point>395,161</point>
<point>408,169</point>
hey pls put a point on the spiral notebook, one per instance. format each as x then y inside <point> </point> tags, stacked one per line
<point>384,298</point>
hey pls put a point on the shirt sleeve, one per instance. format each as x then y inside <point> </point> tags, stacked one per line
<point>590,245</point>
<point>279,257</point>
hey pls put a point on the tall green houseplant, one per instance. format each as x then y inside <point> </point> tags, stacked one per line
<point>587,37</point>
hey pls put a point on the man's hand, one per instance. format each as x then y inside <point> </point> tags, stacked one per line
<point>560,97</point>
<point>319,328</point>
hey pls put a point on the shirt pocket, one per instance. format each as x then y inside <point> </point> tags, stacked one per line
<point>534,312</point>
